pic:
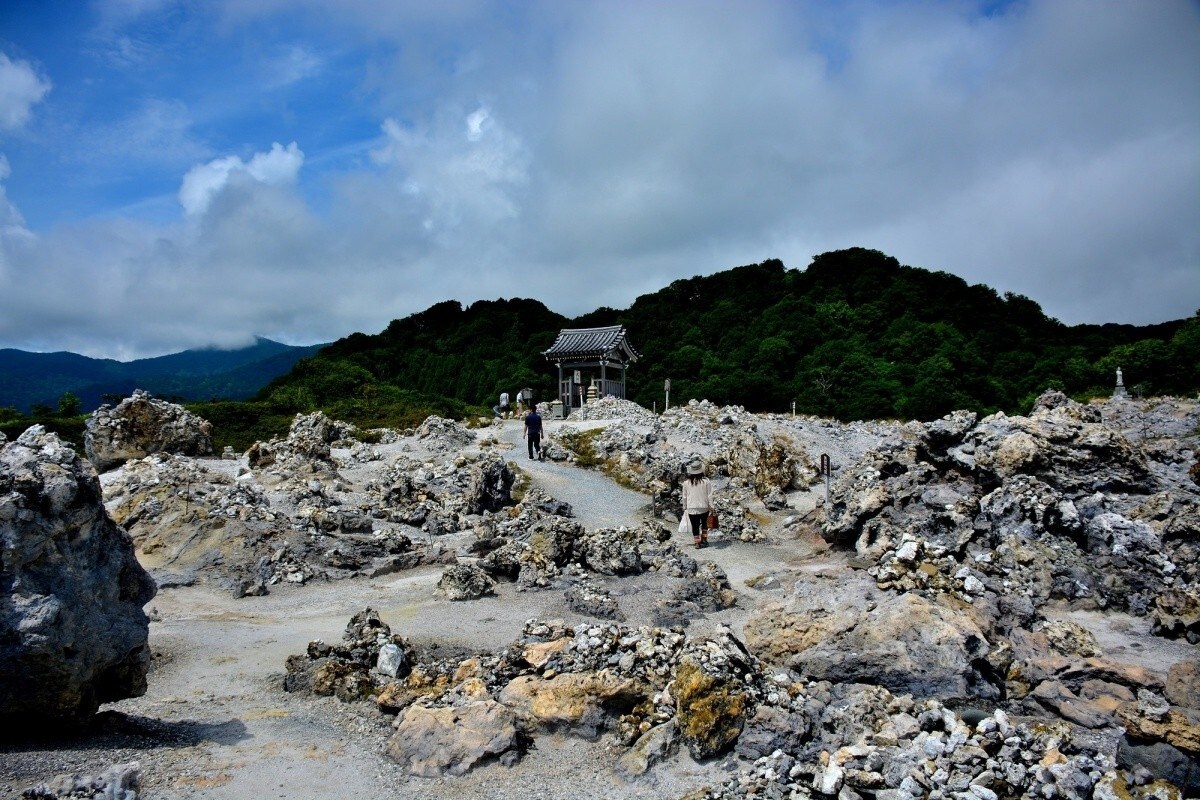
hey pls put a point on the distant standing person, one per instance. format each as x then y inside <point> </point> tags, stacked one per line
<point>697,501</point>
<point>501,408</point>
<point>520,401</point>
<point>533,433</point>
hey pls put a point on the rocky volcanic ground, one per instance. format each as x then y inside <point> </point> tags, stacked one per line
<point>983,608</point>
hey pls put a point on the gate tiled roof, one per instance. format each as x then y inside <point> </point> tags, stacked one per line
<point>592,344</point>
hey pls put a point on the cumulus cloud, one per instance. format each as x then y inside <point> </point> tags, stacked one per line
<point>584,156</point>
<point>20,90</point>
<point>461,172</point>
<point>277,167</point>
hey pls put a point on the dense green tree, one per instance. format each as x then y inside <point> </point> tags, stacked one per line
<point>69,405</point>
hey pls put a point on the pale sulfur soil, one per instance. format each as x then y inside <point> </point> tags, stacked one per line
<point>215,722</point>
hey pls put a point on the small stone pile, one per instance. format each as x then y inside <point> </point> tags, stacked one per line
<point>607,408</point>
<point>439,498</point>
<point>118,782</point>
<point>305,451</point>
<point>465,582</point>
<point>869,743</point>
<point>368,655</point>
<point>544,552</point>
<point>444,435</point>
<point>140,425</point>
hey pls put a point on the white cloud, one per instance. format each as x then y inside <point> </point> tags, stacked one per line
<point>20,90</point>
<point>296,64</point>
<point>277,167</point>
<point>476,122</point>
<point>157,132</point>
<point>462,173</point>
<point>10,217</point>
<point>15,238</point>
<point>585,153</point>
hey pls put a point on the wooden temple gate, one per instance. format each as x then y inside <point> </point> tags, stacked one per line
<point>591,364</point>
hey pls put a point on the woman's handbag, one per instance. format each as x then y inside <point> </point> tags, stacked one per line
<point>684,525</point>
<point>712,521</point>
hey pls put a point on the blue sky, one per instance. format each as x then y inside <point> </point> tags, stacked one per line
<point>180,174</point>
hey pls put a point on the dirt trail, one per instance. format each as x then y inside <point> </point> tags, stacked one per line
<point>599,502</point>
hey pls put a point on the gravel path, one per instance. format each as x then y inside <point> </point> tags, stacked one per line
<point>600,502</point>
<point>597,501</point>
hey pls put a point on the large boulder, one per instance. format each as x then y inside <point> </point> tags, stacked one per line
<point>1176,614</point>
<point>72,630</point>
<point>909,645</point>
<point>583,703</point>
<point>432,742</point>
<point>842,629</point>
<point>140,425</point>
<point>711,710</point>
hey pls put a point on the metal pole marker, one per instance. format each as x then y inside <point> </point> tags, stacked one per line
<point>826,469</point>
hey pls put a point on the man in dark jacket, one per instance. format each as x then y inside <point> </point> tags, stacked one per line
<point>533,433</point>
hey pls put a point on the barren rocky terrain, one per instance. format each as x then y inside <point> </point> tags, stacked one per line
<point>1030,556</point>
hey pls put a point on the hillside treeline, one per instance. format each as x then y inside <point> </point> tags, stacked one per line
<point>858,336</point>
<point>855,335</point>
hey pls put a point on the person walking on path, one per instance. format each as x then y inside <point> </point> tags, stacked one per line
<point>533,433</point>
<point>697,501</point>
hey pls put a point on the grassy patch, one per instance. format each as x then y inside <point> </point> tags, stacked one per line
<point>761,519</point>
<point>622,477</point>
<point>583,445</point>
<point>521,483</point>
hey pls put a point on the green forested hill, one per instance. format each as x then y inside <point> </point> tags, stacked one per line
<point>446,360</point>
<point>854,335</point>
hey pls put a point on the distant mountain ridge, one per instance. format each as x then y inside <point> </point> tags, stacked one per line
<point>28,379</point>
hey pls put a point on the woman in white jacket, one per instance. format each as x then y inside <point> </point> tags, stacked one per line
<point>697,502</point>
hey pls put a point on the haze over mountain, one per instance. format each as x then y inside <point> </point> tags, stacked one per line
<point>28,378</point>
